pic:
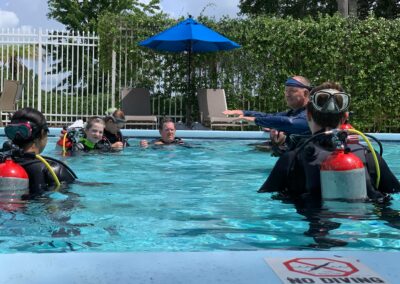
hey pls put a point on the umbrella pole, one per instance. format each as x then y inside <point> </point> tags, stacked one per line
<point>189,90</point>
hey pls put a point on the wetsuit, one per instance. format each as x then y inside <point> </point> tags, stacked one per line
<point>290,122</point>
<point>40,178</point>
<point>176,141</point>
<point>297,173</point>
<point>84,145</point>
<point>113,138</point>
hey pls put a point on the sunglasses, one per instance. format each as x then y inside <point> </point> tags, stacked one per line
<point>22,130</point>
<point>330,101</point>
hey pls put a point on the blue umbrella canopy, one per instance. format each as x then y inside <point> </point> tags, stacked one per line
<point>192,37</point>
<point>189,36</point>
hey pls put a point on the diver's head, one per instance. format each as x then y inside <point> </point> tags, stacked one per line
<point>327,107</point>
<point>297,90</point>
<point>115,121</point>
<point>94,129</point>
<point>28,130</point>
<point>167,130</point>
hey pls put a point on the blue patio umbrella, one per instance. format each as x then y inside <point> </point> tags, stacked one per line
<point>189,36</point>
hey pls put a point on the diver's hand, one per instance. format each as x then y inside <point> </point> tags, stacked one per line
<point>277,137</point>
<point>117,146</point>
<point>233,112</point>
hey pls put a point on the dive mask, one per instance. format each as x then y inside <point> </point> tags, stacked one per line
<point>119,121</point>
<point>330,101</point>
<point>23,130</point>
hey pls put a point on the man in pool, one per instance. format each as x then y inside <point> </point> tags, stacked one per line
<point>167,131</point>
<point>296,174</point>
<point>282,124</point>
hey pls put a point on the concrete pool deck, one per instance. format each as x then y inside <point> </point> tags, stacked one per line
<point>231,267</point>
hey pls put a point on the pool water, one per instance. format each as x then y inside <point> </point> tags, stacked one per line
<point>202,198</point>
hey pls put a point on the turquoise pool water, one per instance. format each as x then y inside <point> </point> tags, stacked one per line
<point>189,199</point>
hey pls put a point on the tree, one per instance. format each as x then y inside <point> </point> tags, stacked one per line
<point>389,9</point>
<point>281,8</point>
<point>83,15</point>
<point>347,7</point>
<point>14,59</point>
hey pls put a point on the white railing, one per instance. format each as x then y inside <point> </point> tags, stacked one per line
<point>62,76</point>
<point>60,72</point>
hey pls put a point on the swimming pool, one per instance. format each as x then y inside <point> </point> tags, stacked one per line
<point>189,199</point>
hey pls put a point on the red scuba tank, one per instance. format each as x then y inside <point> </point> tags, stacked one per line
<point>351,138</point>
<point>14,182</point>
<point>68,142</point>
<point>343,176</point>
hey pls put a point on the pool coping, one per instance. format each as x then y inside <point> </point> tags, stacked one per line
<point>213,134</point>
<point>231,267</point>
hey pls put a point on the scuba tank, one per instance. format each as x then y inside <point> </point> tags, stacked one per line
<point>14,183</point>
<point>342,176</point>
<point>342,173</point>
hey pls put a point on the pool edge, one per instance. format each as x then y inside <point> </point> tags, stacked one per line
<point>172,267</point>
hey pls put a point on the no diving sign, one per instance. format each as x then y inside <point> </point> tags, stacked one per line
<point>320,270</point>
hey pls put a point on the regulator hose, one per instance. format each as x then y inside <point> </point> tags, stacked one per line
<point>378,170</point>
<point>53,174</point>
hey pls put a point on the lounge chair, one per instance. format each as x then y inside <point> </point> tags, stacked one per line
<point>135,103</point>
<point>12,92</point>
<point>212,102</point>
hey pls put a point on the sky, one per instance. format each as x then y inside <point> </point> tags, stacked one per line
<point>31,14</point>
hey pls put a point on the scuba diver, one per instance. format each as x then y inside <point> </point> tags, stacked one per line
<point>167,131</point>
<point>28,132</point>
<point>317,167</point>
<point>328,176</point>
<point>87,140</point>
<point>114,122</point>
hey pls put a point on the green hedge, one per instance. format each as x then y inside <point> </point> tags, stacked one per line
<point>362,55</point>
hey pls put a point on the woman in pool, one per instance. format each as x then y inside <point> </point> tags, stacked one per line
<point>28,131</point>
<point>113,124</point>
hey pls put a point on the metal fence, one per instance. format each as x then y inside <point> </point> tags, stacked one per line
<point>62,76</point>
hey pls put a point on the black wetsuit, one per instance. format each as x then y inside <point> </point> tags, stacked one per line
<point>297,173</point>
<point>40,178</point>
<point>113,138</point>
<point>84,145</point>
<point>176,141</point>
